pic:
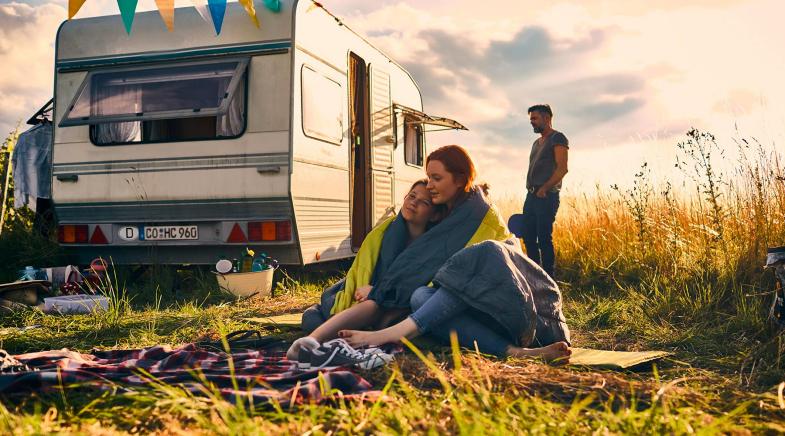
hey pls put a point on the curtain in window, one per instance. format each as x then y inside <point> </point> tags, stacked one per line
<point>109,98</point>
<point>232,122</point>
<point>356,99</point>
<point>411,138</point>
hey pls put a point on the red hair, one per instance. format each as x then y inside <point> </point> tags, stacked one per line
<point>457,162</point>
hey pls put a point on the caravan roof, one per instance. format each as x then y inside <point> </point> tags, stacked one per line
<point>76,39</point>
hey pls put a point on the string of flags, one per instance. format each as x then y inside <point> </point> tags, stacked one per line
<point>212,11</point>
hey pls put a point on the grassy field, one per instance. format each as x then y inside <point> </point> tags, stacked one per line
<point>648,267</point>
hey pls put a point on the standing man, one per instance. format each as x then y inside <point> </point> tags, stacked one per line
<point>547,167</point>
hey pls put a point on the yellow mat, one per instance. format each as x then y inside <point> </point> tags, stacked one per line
<point>613,359</point>
<point>287,320</point>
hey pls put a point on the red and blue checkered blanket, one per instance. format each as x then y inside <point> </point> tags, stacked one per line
<point>256,376</point>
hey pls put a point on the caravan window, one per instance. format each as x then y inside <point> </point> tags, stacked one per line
<point>322,100</point>
<point>413,142</point>
<point>163,103</point>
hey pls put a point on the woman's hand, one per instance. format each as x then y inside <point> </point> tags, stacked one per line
<point>361,293</point>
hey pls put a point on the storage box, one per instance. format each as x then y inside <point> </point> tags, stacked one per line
<point>248,283</point>
<point>75,304</point>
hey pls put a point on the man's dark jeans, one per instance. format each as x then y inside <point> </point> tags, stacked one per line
<point>539,215</point>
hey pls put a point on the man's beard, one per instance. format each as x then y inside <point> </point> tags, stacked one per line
<point>537,129</point>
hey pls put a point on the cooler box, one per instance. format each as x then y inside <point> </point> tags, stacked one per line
<point>75,304</point>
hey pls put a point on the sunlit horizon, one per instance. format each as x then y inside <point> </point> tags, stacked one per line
<point>626,80</point>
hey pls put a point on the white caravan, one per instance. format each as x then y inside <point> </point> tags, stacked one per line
<point>179,147</point>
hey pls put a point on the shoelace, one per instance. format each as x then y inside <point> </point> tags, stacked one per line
<point>344,348</point>
<point>341,346</point>
<point>366,351</point>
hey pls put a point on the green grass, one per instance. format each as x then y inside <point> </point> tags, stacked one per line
<point>641,268</point>
<point>442,391</point>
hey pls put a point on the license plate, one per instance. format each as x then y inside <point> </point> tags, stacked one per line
<point>169,233</point>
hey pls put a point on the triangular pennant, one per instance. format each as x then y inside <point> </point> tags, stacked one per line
<point>217,11</point>
<point>127,11</point>
<point>248,5</point>
<point>201,7</point>
<point>273,5</point>
<point>74,6</point>
<point>166,9</point>
<point>315,5</point>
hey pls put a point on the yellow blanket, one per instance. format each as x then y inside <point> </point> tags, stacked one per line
<point>286,320</point>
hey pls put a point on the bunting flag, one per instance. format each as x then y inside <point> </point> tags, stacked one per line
<point>166,9</point>
<point>273,5</point>
<point>127,11</point>
<point>201,7</point>
<point>217,11</point>
<point>212,10</point>
<point>73,7</point>
<point>248,5</point>
<point>315,5</point>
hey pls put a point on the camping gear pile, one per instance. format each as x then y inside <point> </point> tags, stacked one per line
<point>64,289</point>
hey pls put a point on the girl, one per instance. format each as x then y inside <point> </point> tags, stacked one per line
<point>440,311</point>
<point>351,306</point>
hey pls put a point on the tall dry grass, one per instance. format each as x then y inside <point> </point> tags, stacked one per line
<point>686,252</point>
<point>716,226</point>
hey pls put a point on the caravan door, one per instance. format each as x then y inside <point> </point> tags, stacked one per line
<point>382,142</point>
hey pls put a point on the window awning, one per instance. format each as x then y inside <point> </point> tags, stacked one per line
<point>418,117</point>
<point>156,92</point>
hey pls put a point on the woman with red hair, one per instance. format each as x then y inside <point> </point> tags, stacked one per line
<point>504,321</point>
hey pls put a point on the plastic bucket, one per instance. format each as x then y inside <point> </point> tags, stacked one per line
<point>247,283</point>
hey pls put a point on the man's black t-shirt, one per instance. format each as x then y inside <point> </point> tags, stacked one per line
<point>542,162</point>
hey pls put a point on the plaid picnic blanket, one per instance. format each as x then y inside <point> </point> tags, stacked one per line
<point>257,376</point>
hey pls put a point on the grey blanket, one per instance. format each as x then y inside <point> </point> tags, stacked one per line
<point>497,279</point>
<point>401,269</point>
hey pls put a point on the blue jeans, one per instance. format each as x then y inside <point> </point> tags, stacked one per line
<point>538,217</point>
<point>438,312</point>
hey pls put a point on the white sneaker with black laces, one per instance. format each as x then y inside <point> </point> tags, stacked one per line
<point>338,352</point>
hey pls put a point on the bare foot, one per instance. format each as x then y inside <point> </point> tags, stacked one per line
<point>558,352</point>
<point>356,338</point>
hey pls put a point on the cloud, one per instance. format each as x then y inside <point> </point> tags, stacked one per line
<point>27,54</point>
<point>534,50</point>
<point>588,101</point>
<point>504,77</point>
<point>740,102</point>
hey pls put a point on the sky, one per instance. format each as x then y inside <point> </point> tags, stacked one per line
<point>626,79</point>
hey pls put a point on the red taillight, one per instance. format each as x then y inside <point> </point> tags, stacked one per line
<point>283,231</point>
<point>237,235</point>
<point>270,231</point>
<point>81,234</point>
<point>72,234</point>
<point>62,234</point>
<point>254,231</point>
<point>98,236</point>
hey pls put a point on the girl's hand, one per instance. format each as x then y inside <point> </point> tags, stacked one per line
<point>361,293</point>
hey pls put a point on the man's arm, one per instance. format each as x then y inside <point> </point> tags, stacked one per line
<point>560,156</point>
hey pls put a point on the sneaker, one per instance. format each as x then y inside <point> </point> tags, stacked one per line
<point>336,353</point>
<point>304,343</point>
